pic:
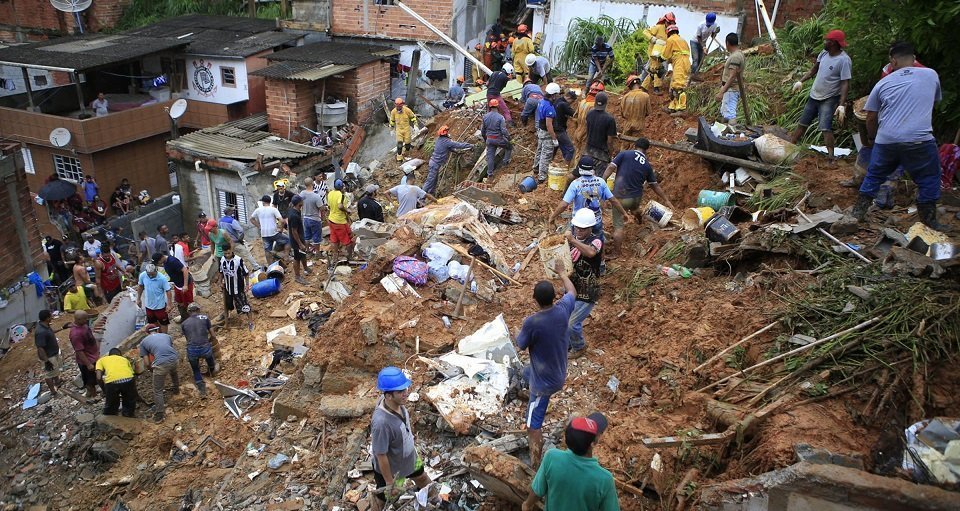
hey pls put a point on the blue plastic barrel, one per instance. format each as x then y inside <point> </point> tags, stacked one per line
<point>715,200</point>
<point>528,184</point>
<point>265,288</point>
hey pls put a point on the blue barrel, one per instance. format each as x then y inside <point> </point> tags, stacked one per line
<point>528,184</point>
<point>720,229</point>
<point>715,200</point>
<point>265,288</point>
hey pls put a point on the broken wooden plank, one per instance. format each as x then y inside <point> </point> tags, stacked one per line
<point>707,155</point>
<point>674,441</point>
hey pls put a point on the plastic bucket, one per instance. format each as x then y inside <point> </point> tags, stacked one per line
<point>658,213</point>
<point>265,288</point>
<point>720,229</point>
<point>274,271</point>
<point>257,276</point>
<point>528,184</point>
<point>714,200</point>
<point>693,218</point>
<point>557,179</point>
<point>552,249</point>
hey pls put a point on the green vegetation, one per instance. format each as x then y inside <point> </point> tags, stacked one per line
<point>145,12</point>
<point>581,33</point>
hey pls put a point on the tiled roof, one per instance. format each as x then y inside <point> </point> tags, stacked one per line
<point>334,53</point>
<point>85,52</point>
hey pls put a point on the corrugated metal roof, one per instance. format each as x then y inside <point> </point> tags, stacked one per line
<point>334,53</point>
<point>85,52</point>
<point>227,36</point>
<point>305,71</point>
<point>241,140</point>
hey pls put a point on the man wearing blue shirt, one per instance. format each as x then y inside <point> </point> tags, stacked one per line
<point>587,191</point>
<point>544,334</point>
<point>455,95</point>
<point>530,96</point>
<point>154,293</point>
<point>600,52</point>
<point>899,127</point>
<point>547,141</point>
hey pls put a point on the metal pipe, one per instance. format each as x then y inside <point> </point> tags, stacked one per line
<point>37,66</point>
<point>445,37</point>
<point>766,21</point>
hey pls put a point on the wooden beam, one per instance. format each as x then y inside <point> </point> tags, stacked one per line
<point>707,155</point>
<point>674,441</point>
<point>303,25</point>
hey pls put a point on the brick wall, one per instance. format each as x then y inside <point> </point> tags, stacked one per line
<point>789,10</point>
<point>362,85</point>
<point>390,21</point>
<point>12,264</point>
<point>290,104</point>
<point>37,19</point>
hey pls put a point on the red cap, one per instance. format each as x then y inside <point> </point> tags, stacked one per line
<point>585,424</point>
<point>837,36</point>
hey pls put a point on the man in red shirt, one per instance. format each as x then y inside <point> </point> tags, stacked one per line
<point>108,271</point>
<point>87,351</point>
<point>203,232</point>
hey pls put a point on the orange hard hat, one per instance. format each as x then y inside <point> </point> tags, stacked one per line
<point>443,130</point>
<point>631,79</point>
<point>398,101</point>
<point>597,86</point>
<point>522,29</point>
<point>668,17</point>
<point>459,79</point>
<point>493,103</point>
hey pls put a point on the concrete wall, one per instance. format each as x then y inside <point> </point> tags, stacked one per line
<point>22,308</point>
<point>24,20</point>
<point>117,322</point>
<point>205,83</point>
<point>163,211</point>
<point>316,11</point>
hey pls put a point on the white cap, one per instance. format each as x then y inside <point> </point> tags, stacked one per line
<point>508,68</point>
<point>584,217</point>
<point>553,88</point>
<point>531,58</point>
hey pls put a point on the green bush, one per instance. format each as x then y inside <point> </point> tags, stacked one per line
<point>575,54</point>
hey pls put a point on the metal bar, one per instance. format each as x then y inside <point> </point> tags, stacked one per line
<point>37,66</point>
<point>26,81</point>
<point>445,37</point>
<point>83,107</point>
<point>769,24</point>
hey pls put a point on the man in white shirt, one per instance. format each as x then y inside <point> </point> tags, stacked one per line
<point>100,105</point>
<point>267,218</point>
<point>408,195</point>
<point>91,245</point>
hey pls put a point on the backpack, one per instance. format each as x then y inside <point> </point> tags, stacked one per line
<point>411,269</point>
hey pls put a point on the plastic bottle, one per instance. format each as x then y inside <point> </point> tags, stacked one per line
<point>682,270</point>
<point>669,272</point>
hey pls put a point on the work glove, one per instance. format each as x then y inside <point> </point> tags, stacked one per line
<point>660,41</point>
<point>841,113</point>
<point>797,86</point>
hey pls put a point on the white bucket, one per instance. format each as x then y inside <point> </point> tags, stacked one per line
<point>658,213</point>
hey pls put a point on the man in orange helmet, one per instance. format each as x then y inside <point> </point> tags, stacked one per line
<point>455,95</point>
<point>654,70</point>
<point>635,107</point>
<point>522,47</point>
<point>475,72</point>
<point>677,53</point>
<point>401,120</point>
<point>441,153</point>
<point>495,134</point>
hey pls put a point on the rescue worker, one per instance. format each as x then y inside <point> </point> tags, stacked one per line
<point>401,119</point>
<point>539,68</point>
<point>654,70</point>
<point>677,53</point>
<point>441,153</point>
<point>498,81</point>
<point>455,95</point>
<point>585,107</point>
<point>547,141</point>
<point>475,72</point>
<point>522,47</point>
<point>600,52</point>
<point>635,107</point>
<point>495,50</point>
<point>530,96</point>
<point>495,134</point>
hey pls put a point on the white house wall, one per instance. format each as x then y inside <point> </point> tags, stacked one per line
<point>13,78</point>
<point>204,80</point>
<point>563,11</point>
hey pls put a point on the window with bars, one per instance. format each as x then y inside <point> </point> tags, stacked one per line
<point>68,167</point>
<point>227,199</point>
<point>228,77</point>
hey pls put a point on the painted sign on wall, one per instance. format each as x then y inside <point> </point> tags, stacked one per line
<point>222,81</point>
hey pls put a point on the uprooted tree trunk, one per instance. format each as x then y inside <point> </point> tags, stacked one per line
<point>505,476</point>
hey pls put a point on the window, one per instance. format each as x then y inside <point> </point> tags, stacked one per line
<point>28,160</point>
<point>227,199</point>
<point>228,77</point>
<point>68,168</point>
<point>40,80</point>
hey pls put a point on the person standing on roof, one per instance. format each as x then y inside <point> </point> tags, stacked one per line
<point>677,53</point>
<point>539,68</point>
<point>544,334</point>
<point>339,224</point>
<point>495,133</point>
<point>522,47</point>
<point>635,107</point>
<point>655,70</point>
<point>706,35</point>
<point>402,119</point>
<point>729,95</point>
<point>394,449</point>
<point>547,139</point>
<point>496,84</point>
<point>899,128</point>
<point>530,96</point>
<point>455,94</point>
<point>601,131</point>
<point>633,172</point>
<point>600,53</point>
<point>442,148</point>
<point>587,191</point>
<point>828,96</point>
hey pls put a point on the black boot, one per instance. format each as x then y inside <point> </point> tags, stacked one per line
<point>860,208</point>
<point>928,215</point>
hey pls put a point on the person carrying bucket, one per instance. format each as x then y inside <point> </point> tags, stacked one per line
<point>587,191</point>
<point>393,449</point>
<point>586,251</point>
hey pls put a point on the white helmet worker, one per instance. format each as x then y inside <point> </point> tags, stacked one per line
<point>584,218</point>
<point>553,88</point>
<point>508,68</point>
<point>531,58</point>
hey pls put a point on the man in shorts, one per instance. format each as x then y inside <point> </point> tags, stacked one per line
<point>267,218</point>
<point>234,273</point>
<point>339,223</point>
<point>545,334</point>
<point>633,171</point>
<point>180,278</point>
<point>828,96</point>
<point>48,351</point>
<point>155,293</point>
<point>297,243</point>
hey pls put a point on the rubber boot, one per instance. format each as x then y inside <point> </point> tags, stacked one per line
<point>928,215</point>
<point>862,205</point>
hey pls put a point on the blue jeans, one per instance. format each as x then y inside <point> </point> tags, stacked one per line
<point>919,159</point>
<point>530,108</point>
<point>312,231</point>
<point>566,146</point>
<point>430,185</point>
<point>575,326</point>
<point>728,107</point>
<point>275,242</point>
<point>194,355</point>
<point>696,50</point>
<point>821,110</point>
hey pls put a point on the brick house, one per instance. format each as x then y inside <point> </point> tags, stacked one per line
<point>298,79</point>
<point>34,20</point>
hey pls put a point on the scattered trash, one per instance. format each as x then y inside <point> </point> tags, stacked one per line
<point>277,461</point>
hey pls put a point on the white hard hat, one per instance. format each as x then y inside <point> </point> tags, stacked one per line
<point>507,68</point>
<point>531,58</point>
<point>553,88</point>
<point>584,217</point>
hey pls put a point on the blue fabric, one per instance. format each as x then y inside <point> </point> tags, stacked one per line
<point>89,191</point>
<point>530,107</point>
<point>233,228</point>
<point>456,93</point>
<point>633,172</point>
<point>545,110</point>
<point>728,107</point>
<point>312,230</point>
<point>528,89</point>
<point>537,408</point>
<point>904,101</point>
<point>696,52</point>
<point>588,192</point>
<point>155,290</point>
<point>822,110</point>
<point>566,145</point>
<point>575,325</point>
<point>919,159</point>
<point>544,333</point>
<point>492,146</point>
<point>194,355</point>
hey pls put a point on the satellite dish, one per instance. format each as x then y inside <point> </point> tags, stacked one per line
<point>60,137</point>
<point>178,108</point>
<point>71,5</point>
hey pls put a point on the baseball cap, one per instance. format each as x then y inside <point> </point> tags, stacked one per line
<point>193,307</point>
<point>595,423</point>
<point>837,36</point>
<point>296,200</point>
<point>266,198</point>
<point>371,188</point>
<point>585,166</point>
<point>600,100</point>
